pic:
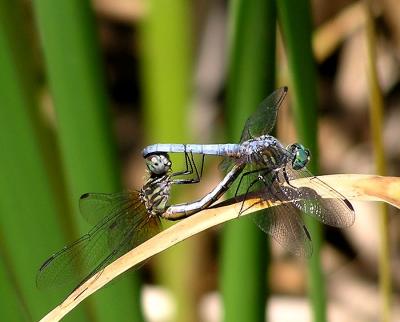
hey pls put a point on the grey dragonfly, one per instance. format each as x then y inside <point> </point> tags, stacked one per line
<point>120,221</point>
<point>261,158</point>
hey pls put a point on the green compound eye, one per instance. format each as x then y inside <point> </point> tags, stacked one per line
<point>301,156</point>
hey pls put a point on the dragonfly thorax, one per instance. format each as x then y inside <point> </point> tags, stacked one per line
<point>155,194</point>
<point>264,150</point>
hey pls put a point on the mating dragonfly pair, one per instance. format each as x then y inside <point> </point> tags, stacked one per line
<point>124,220</point>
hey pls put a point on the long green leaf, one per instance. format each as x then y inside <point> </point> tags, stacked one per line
<point>166,74</point>
<point>12,305</point>
<point>295,21</point>
<point>28,213</point>
<point>251,78</point>
<point>376,121</point>
<point>75,76</point>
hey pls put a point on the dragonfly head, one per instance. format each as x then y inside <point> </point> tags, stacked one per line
<point>301,155</point>
<point>158,164</point>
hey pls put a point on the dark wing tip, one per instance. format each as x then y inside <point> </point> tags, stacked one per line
<point>307,232</point>
<point>84,196</point>
<point>348,204</point>
<point>46,263</point>
<point>307,251</point>
<point>281,92</point>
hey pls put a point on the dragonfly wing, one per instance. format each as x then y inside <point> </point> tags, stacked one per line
<point>284,223</point>
<point>263,120</point>
<point>246,181</point>
<point>112,237</point>
<point>96,206</point>
<point>74,262</point>
<point>333,210</point>
<point>226,165</point>
<point>136,225</point>
<point>258,168</point>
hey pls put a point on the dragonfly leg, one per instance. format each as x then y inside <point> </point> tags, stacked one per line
<point>202,165</point>
<point>193,163</point>
<point>245,197</point>
<point>267,185</point>
<point>241,178</point>
<point>285,175</point>
<point>261,172</point>
<point>260,178</point>
<point>190,169</point>
<point>187,181</point>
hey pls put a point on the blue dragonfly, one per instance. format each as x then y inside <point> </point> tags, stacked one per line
<point>261,158</point>
<point>120,222</point>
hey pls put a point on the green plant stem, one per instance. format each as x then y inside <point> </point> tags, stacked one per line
<point>376,121</point>
<point>75,75</point>
<point>251,78</point>
<point>165,36</point>
<point>27,204</point>
<point>295,22</point>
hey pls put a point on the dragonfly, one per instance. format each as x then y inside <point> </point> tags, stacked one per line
<point>260,158</point>
<point>121,221</point>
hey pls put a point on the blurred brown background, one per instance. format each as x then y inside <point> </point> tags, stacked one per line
<point>349,257</point>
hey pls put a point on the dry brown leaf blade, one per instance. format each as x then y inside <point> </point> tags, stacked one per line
<point>352,186</point>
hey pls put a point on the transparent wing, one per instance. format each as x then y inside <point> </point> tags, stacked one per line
<point>263,120</point>
<point>126,227</point>
<point>284,223</point>
<point>226,165</point>
<point>246,182</point>
<point>96,206</point>
<point>334,211</point>
<point>256,168</point>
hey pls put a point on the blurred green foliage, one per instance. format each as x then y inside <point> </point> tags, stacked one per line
<point>45,170</point>
<point>296,24</point>
<point>166,74</point>
<point>243,276</point>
